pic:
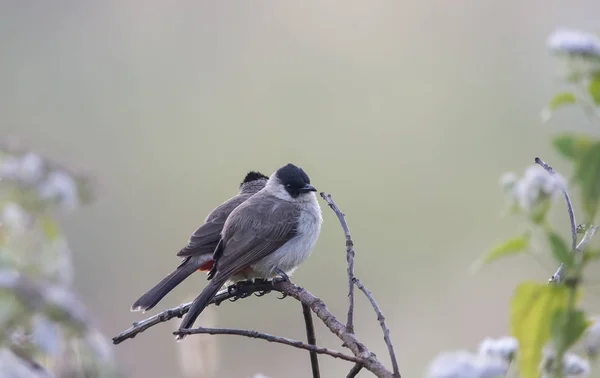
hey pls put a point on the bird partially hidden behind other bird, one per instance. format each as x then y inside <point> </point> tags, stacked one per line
<point>270,234</point>
<point>198,253</point>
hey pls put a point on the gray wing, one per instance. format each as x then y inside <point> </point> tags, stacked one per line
<point>254,230</point>
<point>206,237</point>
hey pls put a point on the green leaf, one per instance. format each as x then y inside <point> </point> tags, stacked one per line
<point>587,175</point>
<point>512,246</point>
<point>568,327</point>
<point>594,89</point>
<point>571,145</point>
<point>561,99</point>
<point>531,309</point>
<point>560,251</point>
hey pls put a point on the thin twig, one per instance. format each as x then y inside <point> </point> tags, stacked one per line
<point>267,337</point>
<point>179,311</point>
<point>360,351</point>
<point>312,340</point>
<point>349,259</point>
<point>567,200</point>
<point>386,331</point>
<point>354,371</point>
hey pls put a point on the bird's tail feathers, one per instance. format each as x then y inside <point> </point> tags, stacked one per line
<point>158,292</point>
<point>200,303</point>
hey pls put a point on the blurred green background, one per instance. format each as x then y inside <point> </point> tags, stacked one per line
<point>407,112</point>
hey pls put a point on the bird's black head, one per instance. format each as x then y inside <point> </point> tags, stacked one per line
<point>294,180</point>
<point>253,176</point>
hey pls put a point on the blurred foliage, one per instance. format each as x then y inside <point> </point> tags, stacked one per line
<point>46,331</point>
<point>546,321</point>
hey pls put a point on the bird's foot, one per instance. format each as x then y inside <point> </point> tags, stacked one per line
<point>283,295</point>
<point>282,277</point>
<point>262,281</point>
<point>237,290</point>
<point>262,293</point>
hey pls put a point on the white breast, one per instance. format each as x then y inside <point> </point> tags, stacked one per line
<point>293,253</point>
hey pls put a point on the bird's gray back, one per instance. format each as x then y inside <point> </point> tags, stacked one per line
<point>205,238</point>
<point>255,229</point>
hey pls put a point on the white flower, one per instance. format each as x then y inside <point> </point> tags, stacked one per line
<point>574,366</point>
<point>535,186</point>
<point>538,178</point>
<point>10,168</point>
<point>462,364</point>
<point>591,339</point>
<point>15,218</point>
<point>46,335</point>
<point>571,41</point>
<point>62,187</point>
<point>504,347</point>
<point>31,168</point>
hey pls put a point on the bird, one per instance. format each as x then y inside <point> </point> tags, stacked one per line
<point>198,253</point>
<point>270,234</point>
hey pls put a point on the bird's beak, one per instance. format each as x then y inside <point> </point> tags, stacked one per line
<point>308,188</point>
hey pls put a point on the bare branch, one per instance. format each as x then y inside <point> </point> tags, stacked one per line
<point>369,360</point>
<point>360,351</point>
<point>269,338</point>
<point>354,371</point>
<point>386,331</point>
<point>349,259</point>
<point>312,340</point>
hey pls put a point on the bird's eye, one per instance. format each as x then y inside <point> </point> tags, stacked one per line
<point>288,185</point>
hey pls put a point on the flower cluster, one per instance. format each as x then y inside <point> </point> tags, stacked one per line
<point>570,41</point>
<point>532,192</point>
<point>40,183</point>
<point>464,364</point>
<point>579,53</point>
<point>493,359</point>
<point>42,317</point>
<point>573,366</point>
